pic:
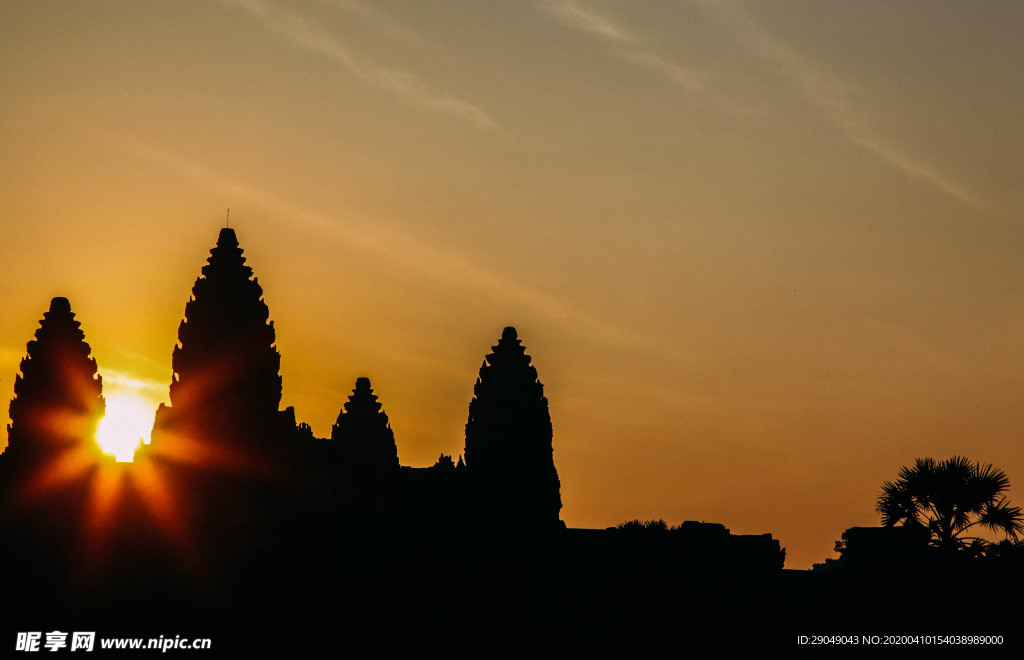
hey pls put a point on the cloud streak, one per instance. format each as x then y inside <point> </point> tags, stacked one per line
<point>833,97</point>
<point>625,44</point>
<point>403,251</point>
<point>402,84</point>
<point>125,381</point>
<point>830,94</point>
<point>380,22</point>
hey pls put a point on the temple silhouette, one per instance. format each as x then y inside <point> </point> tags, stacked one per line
<point>58,398</point>
<point>238,523</point>
<point>227,384</point>
<point>225,398</point>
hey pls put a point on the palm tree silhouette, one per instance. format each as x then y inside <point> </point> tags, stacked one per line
<point>948,498</point>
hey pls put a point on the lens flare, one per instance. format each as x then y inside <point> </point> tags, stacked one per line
<point>126,425</point>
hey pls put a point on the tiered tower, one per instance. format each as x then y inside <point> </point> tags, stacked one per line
<point>226,386</point>
<point>365,441</point>
<point>509,456</point>
<point>58,397</point>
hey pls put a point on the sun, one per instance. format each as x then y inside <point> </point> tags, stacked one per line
<point>127,424</point>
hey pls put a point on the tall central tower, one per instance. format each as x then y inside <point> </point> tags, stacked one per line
<point>508,443</point>
<point>227,384</point>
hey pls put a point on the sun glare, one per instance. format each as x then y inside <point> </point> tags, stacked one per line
<point>128,422</point>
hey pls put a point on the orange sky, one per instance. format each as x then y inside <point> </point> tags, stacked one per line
<point>763,254</point>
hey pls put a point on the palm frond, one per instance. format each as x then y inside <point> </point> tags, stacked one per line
<point>895,503</point>
<point>947,498</point>
<point>987,484</point>
<point>1001,517</point>
<point>961,519</point>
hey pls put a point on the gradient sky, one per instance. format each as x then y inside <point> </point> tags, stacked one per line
<point>763,254</point>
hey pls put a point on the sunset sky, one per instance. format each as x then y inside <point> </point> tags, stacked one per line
<point>763,254</point>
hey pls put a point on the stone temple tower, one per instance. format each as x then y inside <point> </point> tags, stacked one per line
<point>364,437</point>
<point>509,457</point>
<point>226,386</point>
<point>58,397</point>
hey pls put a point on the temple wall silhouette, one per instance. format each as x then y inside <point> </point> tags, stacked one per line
<point>225,394</point>
<point>248,464</point>
<point>263,536</point>
<point>269,521</point>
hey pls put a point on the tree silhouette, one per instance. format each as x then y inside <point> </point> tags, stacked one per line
<point>949,498</point>
<point>58,398</point>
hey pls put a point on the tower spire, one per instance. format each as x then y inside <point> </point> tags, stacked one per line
<point>227,382</point>
<point>58,397</point>
<point>508,441</point>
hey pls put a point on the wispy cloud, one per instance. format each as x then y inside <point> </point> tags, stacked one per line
<point>587,20</point>
<point>625,44</point>
<point>129,382</point>
<point>405,85</point>
<point>402,251</point>
<point>921,171</point>
<point>378,20</point>
<point>834,97</point>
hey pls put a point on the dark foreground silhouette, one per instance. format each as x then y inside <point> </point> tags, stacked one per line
<point>238,525</point>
